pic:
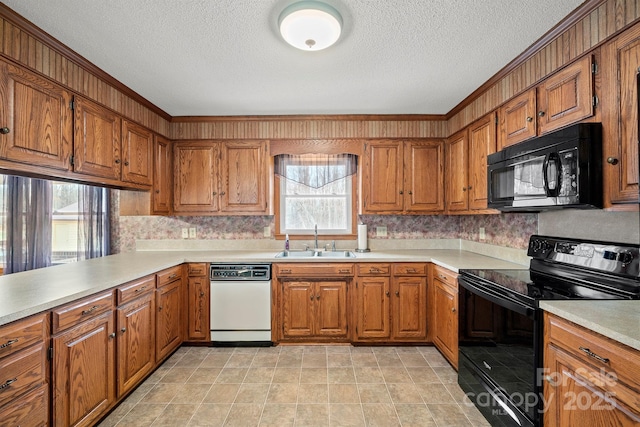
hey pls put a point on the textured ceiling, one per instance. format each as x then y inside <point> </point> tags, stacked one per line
<point>225,57</point>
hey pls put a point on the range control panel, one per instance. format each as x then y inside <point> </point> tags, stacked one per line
<point>238,272</point>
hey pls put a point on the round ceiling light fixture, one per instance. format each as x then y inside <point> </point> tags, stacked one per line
<point>310,25</point>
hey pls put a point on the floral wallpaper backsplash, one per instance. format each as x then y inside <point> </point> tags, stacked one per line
<point>508,230</point>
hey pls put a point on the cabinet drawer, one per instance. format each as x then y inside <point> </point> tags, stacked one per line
<point>168,275</point>
<point>134,289</point>
<point>596,350</point>
<point>445,276</point>
<point>29,410</point>
<point>372,269</point>
<point>198,269</point>
<point>71,314</point>
<point>22,333</point>
<point>410,269</point>
<point>314,270</point>
<point>21,372</point>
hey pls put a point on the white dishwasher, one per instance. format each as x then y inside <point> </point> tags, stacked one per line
<point>241,304</point>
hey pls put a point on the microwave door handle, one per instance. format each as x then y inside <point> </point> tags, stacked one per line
<point>555,157</point>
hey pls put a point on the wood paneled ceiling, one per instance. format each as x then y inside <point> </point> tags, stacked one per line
<point>226,58</point>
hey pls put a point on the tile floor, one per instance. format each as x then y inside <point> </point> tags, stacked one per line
<point>299,386</point>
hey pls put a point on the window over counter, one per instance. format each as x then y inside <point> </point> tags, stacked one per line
<point>315,189</point>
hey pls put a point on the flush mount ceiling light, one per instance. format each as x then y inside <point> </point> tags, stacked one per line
<point>310,25</point>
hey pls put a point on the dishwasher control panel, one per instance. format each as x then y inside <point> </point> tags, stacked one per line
<point>234,272</point>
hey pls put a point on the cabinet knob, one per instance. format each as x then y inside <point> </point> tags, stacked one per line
<point>159,308</point>
<point>117,161</point>
<point>469,187</point>
<point>410,192</point>
<point>317,296</point>
<point>215,193</point>
<point>540,113</point>
<point>123,330</point>
<point>126,163</point>
<point>529,119</point>
<point>464,188</point>
<point>387,293</point>
<point>222,193</point>
<point>5,130</point>
<point>612,160</point>
<point>401,192</point>
<point>201,293</point>
<point>311,297</point>
<point>112,335</point>
<point>157,191</point>
<point>453,309</point>
<point>397,293</point>
<point>550,380</point>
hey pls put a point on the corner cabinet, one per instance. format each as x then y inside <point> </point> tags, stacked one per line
<point>445,312</point>
<point>621,59</point>
<point>312,302</point>
<point>36,122</point>
<point>405,177</point>
<point>221,177</point>
<point>162,190</point>
<point>588,379</point>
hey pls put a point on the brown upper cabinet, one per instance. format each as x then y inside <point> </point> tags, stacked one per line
<point>221,177</point>
<point>563,98</point>
<point>35,119</point>
<point>162,176</point>
<point>137,154</point>
<point>403,177</point>
<point>620,119</point>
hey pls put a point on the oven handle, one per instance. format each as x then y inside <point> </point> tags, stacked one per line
<point>499,399</point>
<point>501,300</point>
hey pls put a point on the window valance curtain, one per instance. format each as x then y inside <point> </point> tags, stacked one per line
<point>315,170</point>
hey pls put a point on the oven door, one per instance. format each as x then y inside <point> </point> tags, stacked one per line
<point>498,354</point>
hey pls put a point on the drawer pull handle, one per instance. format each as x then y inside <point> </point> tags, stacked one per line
<point>345,271</point>
<point>8,383</point>
<point>91,310</point>
<point>173,276</point>
<point>442,276</point>
<point>141,289</point>
<point>374,270</point>
<point>8,343</point>
<point>285,271</point>
<point>595,356</point>
<point>411,270</point>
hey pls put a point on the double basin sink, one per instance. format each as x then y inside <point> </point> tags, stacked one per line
<point>315,254</point>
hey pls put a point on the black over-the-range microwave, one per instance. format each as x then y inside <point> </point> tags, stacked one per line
<point>562,169</point>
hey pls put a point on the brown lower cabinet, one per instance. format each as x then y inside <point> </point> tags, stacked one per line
<point>589,380</point>
<point>168,311</point>
<point>198,302</point>
<point>445,313</point>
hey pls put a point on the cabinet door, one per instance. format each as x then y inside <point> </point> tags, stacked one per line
<point>331,309</point>
<point>162,176</point>
<point>566,97</point>
<point>136,341</point>
<point>383,177</point>
<point>621,62</point>
<point>517,119</point>
<point>424,176</point>
<point>137,154</point>
<point>373,308</point>
<point>409,308</point>
<point>482,142</point>
<point>168,319</point>
<point>198,309</point>
<point>446,318</point>
<point>83,373</point>
<point>297,309</point>
<point>456,170</point>
<point>243,177</point>
<point>96,140</point>
<point>195,177</point>
<point>36,119</point>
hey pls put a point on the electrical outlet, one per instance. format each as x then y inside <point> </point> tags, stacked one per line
<point>266,232</point>
<point>192,233</point>
<point>185,233</point>
<point>381,231</point>
<point>481,234</point>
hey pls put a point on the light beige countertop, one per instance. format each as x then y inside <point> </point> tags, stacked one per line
<point>618,320</point>
<point>31,292</point>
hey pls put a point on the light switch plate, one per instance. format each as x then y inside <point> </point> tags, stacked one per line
<point>185,233</point>
<point>192,233</point>
<point>381,231</point>
<point>481,234</point>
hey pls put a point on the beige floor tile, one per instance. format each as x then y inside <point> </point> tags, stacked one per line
<point>191,393</point>
<point>428,350</point>
<point>404,393</point>
<point>313,375</point>
<point>232,375</point>
<point>289,360</point>
<point>338,349</point>
<point>406,349</point>
<point>286,375</point>
<point>246,350</point>
<point>363,349</point>
<point>215,360</point>
<point>309,415</point>
<point>380,415</point>
<point>278,415</point>
<point>314,360</point>
<point>341,376</point>
<point>435,393</point>
<point>313,393</point>
<point>414,415</point>
<point>447,375</point>
<point>157,375</point>
<point>368,375</point>
<point>388,359</point>
<point>473,414</point>
<point>341,414</point>
<point>190,360</point>
<point>364,359</point>
<point>116,415</point>
<point>449,415</point>
<point>374,393</point>
<point>252,393</point>
<point>204,375</point>
<point>176,415</point>
<point>244,415</point>
<point>210,415</point>
<point>436,360</point>
<point>177,375</point>
<point>142,415</point>
<point>343,393</point>
<point>283,393</point>
<point>314,349</point>
<point>160,393</point>
<point>141,391</point>
<point>222,393</point>
<point>269,350</point>
<point>457,393</point>
<point>339,360</point>
<point>413,360</point>
<point>264,361</point>
<point>259,375</point>
<point>423,375</point>
<point>239,360</point>
<point>395,375</point>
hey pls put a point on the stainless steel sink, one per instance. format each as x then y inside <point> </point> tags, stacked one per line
<point>315,254</point>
